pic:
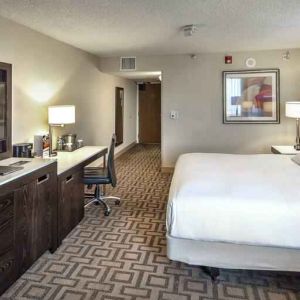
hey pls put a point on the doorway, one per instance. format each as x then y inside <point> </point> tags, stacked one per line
<point>150,113</point>
<point>119,115</point>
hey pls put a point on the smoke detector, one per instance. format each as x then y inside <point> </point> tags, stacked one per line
<point>189,30</point>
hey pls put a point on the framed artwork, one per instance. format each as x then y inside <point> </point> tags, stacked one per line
<point>251,96</point>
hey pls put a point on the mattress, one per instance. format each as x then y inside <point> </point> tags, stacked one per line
<point>244,199</point>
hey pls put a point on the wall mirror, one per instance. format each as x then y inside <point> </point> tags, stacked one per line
<point>119,115</point>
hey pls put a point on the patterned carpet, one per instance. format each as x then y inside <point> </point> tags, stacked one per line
<point>123,256</point>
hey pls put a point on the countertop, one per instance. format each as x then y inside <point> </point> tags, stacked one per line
<point>33,165</point>
<point>68,160</point>
<point>64,160</point>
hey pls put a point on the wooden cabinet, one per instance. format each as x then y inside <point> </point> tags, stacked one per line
<point>28,222</point>
<point>36,214</point>
<point>7,254</point>
<point>70,201</point>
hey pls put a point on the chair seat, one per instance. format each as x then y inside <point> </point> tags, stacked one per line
<point>94,175</point>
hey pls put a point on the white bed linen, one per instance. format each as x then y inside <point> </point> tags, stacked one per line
<point>233,256</point>
<point>245,199</point>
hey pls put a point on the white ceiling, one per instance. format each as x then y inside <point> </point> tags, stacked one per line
<point>148,27</point>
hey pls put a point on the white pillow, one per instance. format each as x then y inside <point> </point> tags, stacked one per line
<point>296,159</point>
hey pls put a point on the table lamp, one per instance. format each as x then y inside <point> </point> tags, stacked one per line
<point>292,110</point>
<point>59,115</point>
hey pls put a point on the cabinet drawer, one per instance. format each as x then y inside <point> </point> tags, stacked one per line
<point>6,223</point>
<point>6,236</point>
<point>6,207</point>
<point>7,270</point>
<point>7,256</point>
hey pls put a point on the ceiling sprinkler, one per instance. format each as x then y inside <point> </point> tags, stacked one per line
<point>189,30</point>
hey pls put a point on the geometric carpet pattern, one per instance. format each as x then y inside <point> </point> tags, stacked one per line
<point>123,256</point>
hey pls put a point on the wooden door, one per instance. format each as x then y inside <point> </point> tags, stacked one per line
<point>150,114</point>
<point>119,115</point>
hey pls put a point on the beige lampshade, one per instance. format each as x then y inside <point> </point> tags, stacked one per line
<point>292,109</point>
<point>61,114</point>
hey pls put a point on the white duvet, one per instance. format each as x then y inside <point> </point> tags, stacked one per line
<point>248,199</point>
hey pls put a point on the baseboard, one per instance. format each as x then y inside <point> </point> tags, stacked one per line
<point>124,150</point>
<point>167,169</point>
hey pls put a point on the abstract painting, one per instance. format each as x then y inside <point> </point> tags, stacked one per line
<point>251,96</point>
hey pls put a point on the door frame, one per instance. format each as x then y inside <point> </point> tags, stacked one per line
<point>138,111</point>
<point>117,92</point>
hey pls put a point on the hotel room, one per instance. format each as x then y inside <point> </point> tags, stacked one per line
<point>150,149</point>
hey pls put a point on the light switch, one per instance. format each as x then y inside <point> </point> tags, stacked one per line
<point>174,114</point>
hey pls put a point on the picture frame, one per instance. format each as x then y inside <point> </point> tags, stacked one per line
<point>251,96</point>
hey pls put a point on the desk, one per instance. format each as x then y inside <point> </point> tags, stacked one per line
<point>28,216</point>
<point>39,205</point>
<point>70,187</point>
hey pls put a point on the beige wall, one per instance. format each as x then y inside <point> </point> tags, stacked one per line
<point>194,88</point>
<point>46,71</point>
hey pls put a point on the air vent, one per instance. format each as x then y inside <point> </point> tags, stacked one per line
<point>128,63</point>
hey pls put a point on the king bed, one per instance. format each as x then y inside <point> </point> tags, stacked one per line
<point>235,211</point>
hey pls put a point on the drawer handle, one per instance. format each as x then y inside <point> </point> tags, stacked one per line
<point>69,178</point>
<point>43,178</point>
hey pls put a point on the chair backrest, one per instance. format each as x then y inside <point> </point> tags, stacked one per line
<point>111,162</point>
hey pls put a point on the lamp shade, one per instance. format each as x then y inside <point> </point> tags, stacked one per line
<point>292,109</point>
<point>61,114</point>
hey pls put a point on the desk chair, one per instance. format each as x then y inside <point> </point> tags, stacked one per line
<point>102,176</point>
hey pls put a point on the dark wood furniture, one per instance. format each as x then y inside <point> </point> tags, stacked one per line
<point>6,109</point>
<point>28,222</point>
<point>39,209</point>
<point>71,187</point>
<point>71,201</point>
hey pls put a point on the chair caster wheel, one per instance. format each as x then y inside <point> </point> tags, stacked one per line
<point>117,202</point>
<point>106,213</point>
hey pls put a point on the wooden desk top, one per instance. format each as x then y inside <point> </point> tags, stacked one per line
<point>79,157</point>
<point>65,162</point>
<point>32,165</point>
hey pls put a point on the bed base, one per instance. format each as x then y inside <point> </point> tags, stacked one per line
<point>232,256</point>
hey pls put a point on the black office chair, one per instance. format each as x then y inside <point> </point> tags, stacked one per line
<point>102,176</point>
